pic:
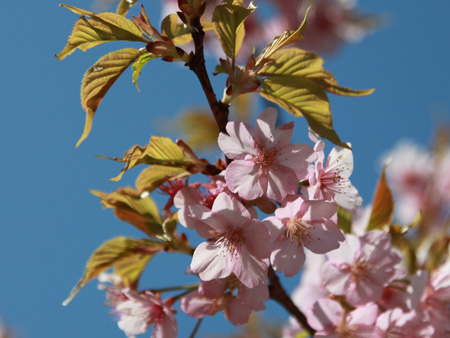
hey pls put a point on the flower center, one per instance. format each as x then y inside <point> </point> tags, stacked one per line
<point>360,269</point>
<point>298,230</point>
<point>231,241</point>
<point>266,158</point>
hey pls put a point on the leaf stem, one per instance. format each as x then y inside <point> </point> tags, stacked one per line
<point>278,294</point>
<point>176,288</point>
<point>194,332</point>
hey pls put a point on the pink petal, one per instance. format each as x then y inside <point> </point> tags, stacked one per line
<point>340,160</point>
<point>366,315</point>
<point>322,239</point>
<point>287,256</point>
<point>275,227</point>
<point>209,262</point>
<point>336,278</point>
<point>281,183</point>
<point>264,127</point>
<point>297,156</point>
<point>238,142</point>
<point>249,270</point>
<point>254,298</point>
<point>236,313</point>
<point>224,203</point>
<point>325,315</point>
<point>318,210</point>
<point>243,178</point>
<point>167,328</point>
<point>257,239</point>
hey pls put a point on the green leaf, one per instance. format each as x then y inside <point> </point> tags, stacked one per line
<point>99,78</point>
<point>124,6</point>
<point>100,28</point>
<point>299,63</point>
<point>152,177</point>
<point>160,151</point>
<point>345,220</point>
<point>130,207</point>
<point>282,40</point>
<point>298,82</point>
<point>170,224</point>
<point>114,252</point>
<point>130,270</point>
<point>303,97</point>
<point>175,30</point>
<point>382,205</point>
<point>228,22</point>
<point>139,64</point>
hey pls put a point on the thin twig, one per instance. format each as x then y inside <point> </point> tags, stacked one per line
<point>278,294</point>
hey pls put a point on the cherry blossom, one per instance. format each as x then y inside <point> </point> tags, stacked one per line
<point>332,180</point>
<point>361,267</point>
<point>141,311</point>
<point>138,311</point>
<point>301,223</point>
<point>409,172</point>
<point>398,324</point>
<point>331,321</point>
<point>264,163</point>
<point>228,295</point>
<point>436,299</point>
<point>236,243</point>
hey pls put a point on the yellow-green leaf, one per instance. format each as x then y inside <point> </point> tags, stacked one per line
<point>130,270</point>
<point>124,6</point>
<point>294,62</point>
<point>152,177</point>
<point>113,252</point>
<point>100,28</point>
<point>303,97</point>
<point>170,224</point>
<point>382,205</point>
<point>161,150</point>
<point>228,22</point>
<point>130,207</point>
<point>77,10</point>
<point>345,220</point>
<point>99,78</point>
<point>329,83</point>
<point>139,64</point>
<point>299,63</point>
<point>282,40</point>
<point>175,30</point>
<point>199,127</point>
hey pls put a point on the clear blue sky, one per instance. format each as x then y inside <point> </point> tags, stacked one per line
<point>51,224</point>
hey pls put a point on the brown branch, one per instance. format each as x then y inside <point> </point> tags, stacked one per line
<point>278,294</point>
<point>197,65</point>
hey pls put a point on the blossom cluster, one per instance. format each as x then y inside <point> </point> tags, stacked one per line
<point>363,289</point>
<point>232,262</point>
<point>353,284</point>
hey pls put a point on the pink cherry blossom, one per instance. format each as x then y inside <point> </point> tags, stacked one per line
<point>435,300</point>
<point>311,287</point>
<point>332,181</point>
<point>398,324</point>
<point>409,172</point>
<point>361,267</point>
<point>237,244</point>
<point>141,311</point>
<point>228,295</point>
<point>301,223</point>
<point>331,321</point>
<point>138,311</point>
<point>264,163</point>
